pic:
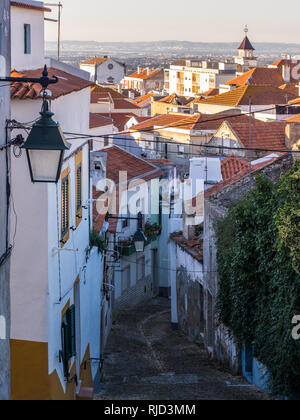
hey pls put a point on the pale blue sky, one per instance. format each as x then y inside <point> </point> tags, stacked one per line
<point>189,20</point>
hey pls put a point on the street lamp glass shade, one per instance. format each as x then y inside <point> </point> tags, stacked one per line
<point>139,241</point>
<point>44,164</point>
<point>45,147</point>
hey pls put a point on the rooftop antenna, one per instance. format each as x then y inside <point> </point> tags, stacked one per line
<point>59,5</point>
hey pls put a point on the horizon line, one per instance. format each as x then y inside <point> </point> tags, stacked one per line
<point>172,40</point>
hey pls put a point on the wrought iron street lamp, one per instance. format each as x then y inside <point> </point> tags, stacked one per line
<point>45,148</point>
<point>139,238</point>
<point>139,241</point>
<point>46,144</point>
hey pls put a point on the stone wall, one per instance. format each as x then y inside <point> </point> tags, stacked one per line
<point>190,305</point>
<point>216,208</point>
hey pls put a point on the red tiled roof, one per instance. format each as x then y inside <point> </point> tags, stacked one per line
<point>259,94</point>
<point>258,76</point>
<point>98,120</point>
<point>143,74</point>
<point>290,88</point>
<point>124,104</point>
<point>193,247</point>
<point>264,135</point>
<point>232,165</point>
<point>95,61</point>
<point>294,118</point>
<point>246,45</point>
<point>291,63</point>
<point>105,90</point>
<point>229,181</point>
<point>187,122</point>
<point>25,5</point>
<point>100,98</point>
<point>175,99</point>
<point>119,119</point>
<point>118,102</point>
<point>119,160</point>
<point>66,84</point>
<point>295,101</point>
<point>211,92</point>
<point>143,101</point>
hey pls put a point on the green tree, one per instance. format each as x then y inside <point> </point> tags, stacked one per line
<point>259,268</point>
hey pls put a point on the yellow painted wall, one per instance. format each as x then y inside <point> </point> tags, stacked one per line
<point>29,374</point>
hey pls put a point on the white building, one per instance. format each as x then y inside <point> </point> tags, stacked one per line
<point>191,78</point>
<point>4,222</point>
<point>135,277</point>
<point>104,70</point>
<point>27,36</point>
<point>57,273</point>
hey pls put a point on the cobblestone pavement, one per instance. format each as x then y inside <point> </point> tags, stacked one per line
<point>146,360</point>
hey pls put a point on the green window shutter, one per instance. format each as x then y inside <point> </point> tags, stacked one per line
<point>67,344</point>
<point>78,204</point>
<point>70,315</point>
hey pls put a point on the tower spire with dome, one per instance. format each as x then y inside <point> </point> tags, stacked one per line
<point>245,60</point>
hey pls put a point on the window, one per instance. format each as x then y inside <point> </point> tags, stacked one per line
<point>110,66</point>
<point>65,207</point>
<point>27,39</point>
<point>78,183</point>
<point>68,337</point>
<point>106,141</point>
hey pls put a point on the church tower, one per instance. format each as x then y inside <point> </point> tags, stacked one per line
<point>245,61</point>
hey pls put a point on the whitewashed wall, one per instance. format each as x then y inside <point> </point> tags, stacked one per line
<point>19,17</point>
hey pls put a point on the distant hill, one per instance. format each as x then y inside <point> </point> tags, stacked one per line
<point>213,48</point>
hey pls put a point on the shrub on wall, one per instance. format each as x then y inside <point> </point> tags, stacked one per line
<point>259,268</point>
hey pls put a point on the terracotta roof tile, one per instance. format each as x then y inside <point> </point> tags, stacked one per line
<point>193,247</point>
<point>211,92</point>
<point>264,135</point>
<point>258,76</point>
<point>293,119</point>
<point>104,90</point>
<point>66,84</point>
<point>119,160</point>
<point>99,120</point>
<point>25,5</point>
<point>119,119</point>
<point>124,104</point>
<point>232,165</point>
<point>260,95</point>
<point>143,101</point>
<point>143,74</point>
<point>95,61</point>
<point>187,122</point>
<point>229,181</point>
<point>175,99</point>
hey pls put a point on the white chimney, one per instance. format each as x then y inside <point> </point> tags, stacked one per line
<point>148,71</point>
<point>139,70</point>
<point>286,73</point>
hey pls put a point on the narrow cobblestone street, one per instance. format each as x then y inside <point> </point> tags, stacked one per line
<point>146,360</point>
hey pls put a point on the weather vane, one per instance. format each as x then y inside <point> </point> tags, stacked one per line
<point>246,30</point>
